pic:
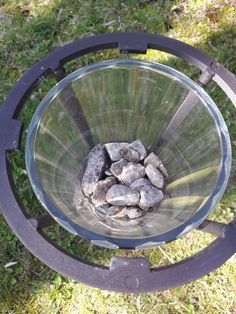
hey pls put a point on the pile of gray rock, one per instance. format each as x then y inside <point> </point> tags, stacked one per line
<point>121,181</point>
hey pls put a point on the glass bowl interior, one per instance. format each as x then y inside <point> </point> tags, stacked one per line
<point>125,100</point>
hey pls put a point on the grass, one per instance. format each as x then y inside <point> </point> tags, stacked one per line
<point>31,29</point>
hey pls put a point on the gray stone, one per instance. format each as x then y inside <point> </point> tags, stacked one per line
<point>101,211</point>
<point>155,176</point>
<point>122,196</point>
<point>134,212</point>
<point>113,150</point>
<point>163,170</point>
<point>116,167</point>
<point>152,159</point>
<point>140,148</point>
<point>134,222</point>
<point>86,205</point>
<point>127,201</point>
<point>100,191</point>
<point>149,196</point>
<point>131,172</point>
<point>112,210</point>
<point>78,199</point>
<point>137,184</point>
<point>94,169</point>
<point>89,205</point>
<point>108,173</point>
<point>130,154</point>
<point>81,202</point>
<point>117,211</point>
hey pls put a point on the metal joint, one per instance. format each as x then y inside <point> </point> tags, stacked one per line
<point>59,73</point>
<point>206,76</point>
<point>10,134</point>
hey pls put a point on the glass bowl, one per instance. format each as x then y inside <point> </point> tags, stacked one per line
<point>125,100</point>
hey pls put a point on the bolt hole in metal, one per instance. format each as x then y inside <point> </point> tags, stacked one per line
<point>122,100</point>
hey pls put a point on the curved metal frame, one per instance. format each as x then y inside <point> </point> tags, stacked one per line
<point>124,274</point>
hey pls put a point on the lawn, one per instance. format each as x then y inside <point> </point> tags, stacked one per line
<point>31,29</point>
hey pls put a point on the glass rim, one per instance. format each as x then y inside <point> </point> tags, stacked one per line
<point>113,241</point>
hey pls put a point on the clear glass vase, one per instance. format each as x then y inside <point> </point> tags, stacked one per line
<point>125,100</point>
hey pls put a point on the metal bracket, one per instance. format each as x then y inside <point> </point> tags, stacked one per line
<point>206,76</point>
<point>10,133</point>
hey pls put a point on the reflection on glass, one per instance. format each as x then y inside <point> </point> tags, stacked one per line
<point>126,100</point>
